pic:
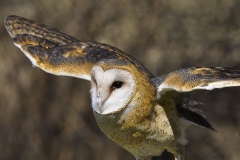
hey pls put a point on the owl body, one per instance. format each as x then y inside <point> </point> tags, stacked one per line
<point>141,126</point>
<point>147,136</point>
<point>142,113</point>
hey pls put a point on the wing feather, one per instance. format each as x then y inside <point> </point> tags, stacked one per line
<point>199,78</point>
<point>25,31</point>
<point>186,81</point>
<point>58,53</point>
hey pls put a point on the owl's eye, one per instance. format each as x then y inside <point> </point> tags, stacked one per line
<point>117,84</point>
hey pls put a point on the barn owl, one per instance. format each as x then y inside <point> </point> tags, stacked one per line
<point>143,114</point>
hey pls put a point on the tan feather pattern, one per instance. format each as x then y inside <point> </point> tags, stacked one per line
<point>60,54</point>
<point>16,26</point>
<point>199,78</point>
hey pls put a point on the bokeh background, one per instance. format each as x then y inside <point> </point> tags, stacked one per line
<point>46,117</point>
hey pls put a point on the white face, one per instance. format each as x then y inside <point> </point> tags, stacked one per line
<point>110,89</point>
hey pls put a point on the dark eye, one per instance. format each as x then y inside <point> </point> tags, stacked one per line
<point>117,84</point>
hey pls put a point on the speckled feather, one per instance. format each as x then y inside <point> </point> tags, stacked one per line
<point>145,129</point>
<point>158,111</point>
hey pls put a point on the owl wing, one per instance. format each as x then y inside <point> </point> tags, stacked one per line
<point>58,53</point>
<point>188,80</point>
<point>199,78</point>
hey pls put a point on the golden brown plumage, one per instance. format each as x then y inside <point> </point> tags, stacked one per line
<point>58,53</point>
<point>143,114</point>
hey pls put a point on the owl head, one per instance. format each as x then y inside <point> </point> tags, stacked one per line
<point>113,85</point>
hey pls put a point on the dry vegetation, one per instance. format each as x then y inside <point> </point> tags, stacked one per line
<point>45,117</point>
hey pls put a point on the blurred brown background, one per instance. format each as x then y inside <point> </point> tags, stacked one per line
<point>45,117</point>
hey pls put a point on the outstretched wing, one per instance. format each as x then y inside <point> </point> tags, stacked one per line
<point>189,80</point>
<point>199,78</point>
<point>60,54</point>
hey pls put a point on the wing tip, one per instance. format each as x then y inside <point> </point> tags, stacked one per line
<point>8,22</point>
<point>6,19</point>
